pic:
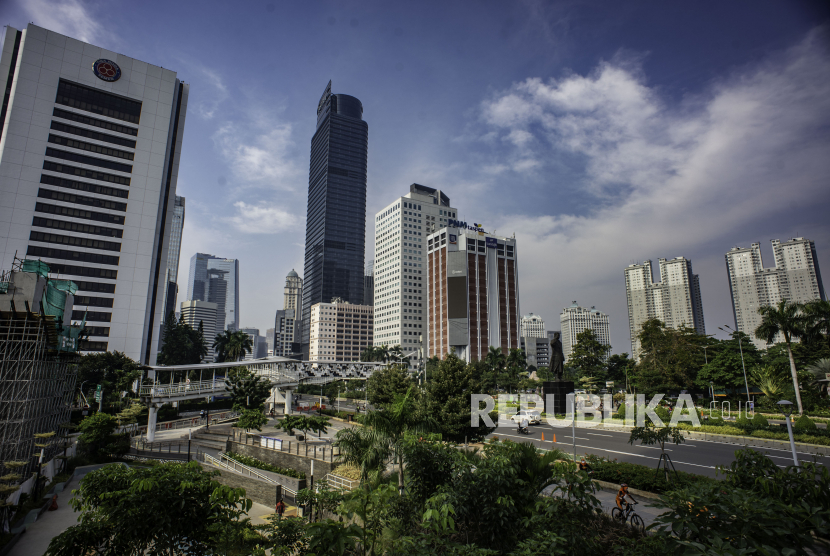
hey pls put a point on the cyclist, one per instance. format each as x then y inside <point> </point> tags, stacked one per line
<point>623,492</point>
<point>583,466</point>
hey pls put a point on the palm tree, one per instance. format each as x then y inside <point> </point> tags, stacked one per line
<point>240,344</point>
<point>368,354</point>
<point>220,346</point>
<point>389,426</point>
<point>495,361</point>
<point>382,353</point>
<point>786,319</point>
<point>769,380</point>
<point>821,369</point>
<point>818,319</point>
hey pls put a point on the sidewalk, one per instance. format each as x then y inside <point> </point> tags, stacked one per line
<point>645,509</point>
<point>39,534</point>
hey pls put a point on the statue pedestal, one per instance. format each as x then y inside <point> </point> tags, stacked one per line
<point>560,391</point>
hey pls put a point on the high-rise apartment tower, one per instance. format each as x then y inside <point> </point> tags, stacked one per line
<point>675,299</point>
<point>400,283</point>
<point>575,320</point>
<point>533,326</point>
<point>795,277</point>
<point>336,218</point>
<point>90,142</point>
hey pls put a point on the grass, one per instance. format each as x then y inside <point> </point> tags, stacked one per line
<point>258,464</point>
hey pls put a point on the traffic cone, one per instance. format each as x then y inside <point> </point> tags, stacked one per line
<point>543,437</point>
<point>554,439</point>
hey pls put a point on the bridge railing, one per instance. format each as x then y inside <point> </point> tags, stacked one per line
<point>180,388</point>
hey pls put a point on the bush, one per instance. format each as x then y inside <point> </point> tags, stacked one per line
<point>804,425</point>
<point>759,421</point>
<point>257,464</point>
<point>742,421</point>
<point>640,476</point>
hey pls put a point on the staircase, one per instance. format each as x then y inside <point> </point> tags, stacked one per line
<point>214,439</point>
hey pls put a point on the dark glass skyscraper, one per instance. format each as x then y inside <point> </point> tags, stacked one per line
<point>336,221</point>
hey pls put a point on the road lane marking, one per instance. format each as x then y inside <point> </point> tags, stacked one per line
<point>595,434</point>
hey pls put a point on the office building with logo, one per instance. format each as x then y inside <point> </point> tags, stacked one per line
<point>796,277</point>
<point>575,320</point>
<point>400,270</point>
<point>340,331</point>
<point>675,299</point>
<point>473,292</point>
<point>90,142</point>
<point>335,240</point>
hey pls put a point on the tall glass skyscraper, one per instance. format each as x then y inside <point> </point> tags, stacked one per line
<point>216,280</point>
<point>336,218</point>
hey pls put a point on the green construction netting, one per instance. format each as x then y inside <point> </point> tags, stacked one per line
<point>54,302</point>
<point>4,287</point>
<point>67,286</point>
<point>38,267</point>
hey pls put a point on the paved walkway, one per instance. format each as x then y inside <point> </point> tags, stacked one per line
<point>646,509</point>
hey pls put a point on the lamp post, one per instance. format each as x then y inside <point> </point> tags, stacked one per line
<point>787,410</point>
<point>740,347</point>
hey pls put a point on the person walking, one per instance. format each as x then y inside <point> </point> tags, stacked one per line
<point>280,508</point>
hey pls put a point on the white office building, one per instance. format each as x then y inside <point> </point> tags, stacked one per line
<point>339,331</point>
<point>795,277</point>
<point>400,287</point>
<point>204,313</point>
<point>89,156</point>
<point>533,326</point>
<point>675,299</point>
<point>575,320</point>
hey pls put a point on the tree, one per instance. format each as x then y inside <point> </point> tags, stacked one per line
<point>393,423</point>
<point>252,419</point>
<point>232,345</point>
<point>516,364</point>
<point>669,358</point>
<point>620,369</point>
<point>786,319</point>
<point>113,370</point>
<point>588,355</point>
<point>305,423</point>
<point>181,344</point>
<point>820,369</point>
<point>98,439</point>
<point>448,400</point>
<point>385,384</point>
<point>725,368</point>
<point>247,389</point>
<point>817,315</point>
<point>650,435</point>
<point>769,380</point>
<point>169,508</point>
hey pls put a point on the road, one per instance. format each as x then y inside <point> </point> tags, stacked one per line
<point>693,456</point>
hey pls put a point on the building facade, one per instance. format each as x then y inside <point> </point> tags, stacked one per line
<point>675,299</point>
<point>533,326</point>
<point>473,292</point>
<point>257,343</point>
<point>400,285</point>
<point>89,155</point>
<point>796,277</point>
<point>173,252</point>
<point>537,351</point>
<point>575,320</point>
<point>216,280</point>
<point>336,216</point>
<point>287,322</point>
<point>204,313</point>
<point>340,331</point>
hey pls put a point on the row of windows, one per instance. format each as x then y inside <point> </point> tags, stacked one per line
<point>87,272</point>
<point>99,287</point>
<point>98,331</point>
<point>79,213</point>
<point>92,316</point>
<point>76,241</point>
<point>84,146</point>
<point>98,102</point>
<point>61,254</point>
<point>83,159</point>
<point>80,118</point>
<point>82,200</point>
<point>87,301</point>
<point>83,186</point>
<point>85,173</point>
<point>76,227</point>
<point>86,345</point>
<point>92,134</point>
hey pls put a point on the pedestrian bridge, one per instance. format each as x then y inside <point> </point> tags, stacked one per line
<point>174,383</point>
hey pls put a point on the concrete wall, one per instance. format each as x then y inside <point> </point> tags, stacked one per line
<point>284,459</point>
<point>258,491</point>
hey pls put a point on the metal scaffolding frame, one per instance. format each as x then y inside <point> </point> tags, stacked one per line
<point>37,381</point>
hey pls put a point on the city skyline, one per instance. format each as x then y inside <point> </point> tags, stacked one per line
<point>691,141</point>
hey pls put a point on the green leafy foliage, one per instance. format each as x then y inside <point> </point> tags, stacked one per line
<point>232,345</point>
<point>247,389</point>
<point>305,423</point>
<point>98,439</point>
<point>726,369</point>
<point>181,344</point>
<point>252,419</point>
<point>669,358</point>
<point>759,420</point>
<point>386,383</point>
<point>804,425</point>
<point>588,357</point>
<point>113,370</point>
<point>163,509</point>
<point>258,464</point>
<point>641,477</point>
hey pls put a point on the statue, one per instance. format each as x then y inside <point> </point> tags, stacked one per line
<point>557,357</point>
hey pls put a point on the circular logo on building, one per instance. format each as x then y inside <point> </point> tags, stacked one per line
<point>106,70</point>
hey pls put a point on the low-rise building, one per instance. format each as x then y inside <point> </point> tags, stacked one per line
<point>340,331</point>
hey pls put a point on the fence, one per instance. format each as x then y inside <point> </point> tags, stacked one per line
<point>190,422</point>
<point>325,452</point>
<point>342,484</point>
<point>224,462</point>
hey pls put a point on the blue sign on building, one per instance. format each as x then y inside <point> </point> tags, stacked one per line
<point>492,242</point>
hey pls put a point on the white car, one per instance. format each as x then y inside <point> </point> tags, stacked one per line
<point>533,417</point>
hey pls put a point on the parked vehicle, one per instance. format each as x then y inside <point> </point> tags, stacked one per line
<point>533,417</point>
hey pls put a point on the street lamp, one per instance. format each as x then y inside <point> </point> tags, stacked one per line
<point>746,383</point>
<point>787,410</point>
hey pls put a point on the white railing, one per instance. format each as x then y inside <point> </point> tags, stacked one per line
<point>188,423</point>
<point>183,388</point>
<point>232,465</point>
<point>336,482</point>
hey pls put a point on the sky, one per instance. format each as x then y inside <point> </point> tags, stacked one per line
<point>600,133</point>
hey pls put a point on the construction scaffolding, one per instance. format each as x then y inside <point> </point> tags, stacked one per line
<point>38,364</point>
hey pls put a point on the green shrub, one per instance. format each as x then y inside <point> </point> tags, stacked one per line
<point>804,425</point>
<point>742,421</point>
<point>759,421</point>
<point>257,464</point>
<point>640,476</point>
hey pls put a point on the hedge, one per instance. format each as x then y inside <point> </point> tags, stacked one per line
<point>257,464</point>
<point>641,477</point>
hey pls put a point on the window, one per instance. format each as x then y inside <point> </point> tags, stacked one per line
<point>71,270</point>
<point>38,251</point>
<point>80,118</point>
<point>91,160</point>
<point>75,227</point>
<point>85,173</point>
<point>83,186</point>
<point>83,132</point>
<point>81,199</point>
<point>98,102</point>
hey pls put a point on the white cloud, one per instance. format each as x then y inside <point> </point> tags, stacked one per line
<point>262,218</point>
<point>669,178</point>
<point>72,18</point>
<point>261,157</point>
<point>209,102</point>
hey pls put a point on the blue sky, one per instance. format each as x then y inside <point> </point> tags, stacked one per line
<point>600,133</point>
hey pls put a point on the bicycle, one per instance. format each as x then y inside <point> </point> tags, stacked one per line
<point>629,515</point>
